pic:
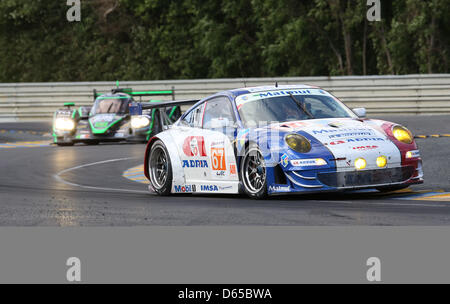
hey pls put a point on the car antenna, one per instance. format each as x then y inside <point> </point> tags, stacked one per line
<point>276,84</point>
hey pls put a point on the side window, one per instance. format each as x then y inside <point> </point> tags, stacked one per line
<point>194,117</point>
<point>218,111</point>
<point>186,121</point>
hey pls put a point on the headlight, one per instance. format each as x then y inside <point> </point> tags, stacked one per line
<point>412,154</point>
<point>64,124</point>
<point>138,122</point>
<point>298,143</point>
<point>402,134</point>
<point>360,163</point>
<point>381,161</point>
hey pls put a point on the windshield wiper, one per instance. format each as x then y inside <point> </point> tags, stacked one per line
<point>302,106</point>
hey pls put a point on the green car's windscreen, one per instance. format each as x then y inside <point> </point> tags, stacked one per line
<point>111,105</point>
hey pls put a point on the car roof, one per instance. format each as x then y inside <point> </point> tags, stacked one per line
<point>241,91</point>
<point>114,95</point>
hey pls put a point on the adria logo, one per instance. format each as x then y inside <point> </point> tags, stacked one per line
<point>194,146</point>
<point>362,148</point>
<point>338,142</point>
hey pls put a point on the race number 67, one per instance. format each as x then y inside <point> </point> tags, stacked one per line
<point>218,158</point>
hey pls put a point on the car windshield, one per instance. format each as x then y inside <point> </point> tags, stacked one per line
<point>107,105</point>
<point>289,107</point>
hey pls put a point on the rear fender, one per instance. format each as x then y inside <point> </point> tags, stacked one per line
<point>177,170</point>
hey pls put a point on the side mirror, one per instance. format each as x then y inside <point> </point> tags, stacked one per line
<point>361,112</point>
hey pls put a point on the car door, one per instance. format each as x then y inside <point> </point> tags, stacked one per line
<point>218,125</point>
<point>190,142</point>
<point>205,151</point>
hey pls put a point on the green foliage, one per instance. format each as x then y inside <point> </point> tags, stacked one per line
<point>181,39</point>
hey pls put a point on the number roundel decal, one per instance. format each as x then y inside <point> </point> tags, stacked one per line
<point>194,146</point>
<point>218,159</point>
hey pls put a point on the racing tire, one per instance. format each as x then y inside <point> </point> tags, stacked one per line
<point>392,188</point>
<point>160,169</point>
<point>253,173</point>
<point>64,144</point>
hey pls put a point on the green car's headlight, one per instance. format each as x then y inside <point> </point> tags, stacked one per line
<point>298,143</point>
<point>402,134</point>
<point>64,124</point>
<point>139,122</point>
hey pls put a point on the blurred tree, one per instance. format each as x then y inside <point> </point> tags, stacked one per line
<point>176,39</point>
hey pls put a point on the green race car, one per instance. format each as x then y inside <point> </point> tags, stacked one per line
<point>109,119</point>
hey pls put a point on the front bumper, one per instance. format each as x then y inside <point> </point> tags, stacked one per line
<point>328,180</point>
<point>366,178</point>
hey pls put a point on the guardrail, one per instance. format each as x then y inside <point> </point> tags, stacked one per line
<point>407,94</point>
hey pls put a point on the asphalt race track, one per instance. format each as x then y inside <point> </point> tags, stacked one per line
<point>45,185</point>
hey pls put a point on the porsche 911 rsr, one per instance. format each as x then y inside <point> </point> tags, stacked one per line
<point>279,140</point>
<point>109,119</point>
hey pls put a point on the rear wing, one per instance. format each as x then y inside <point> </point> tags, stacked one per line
<point>140,94</point>
<point>166,120</point>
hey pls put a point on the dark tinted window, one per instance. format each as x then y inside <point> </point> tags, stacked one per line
<point>107,105</point>
<point>285,108</point>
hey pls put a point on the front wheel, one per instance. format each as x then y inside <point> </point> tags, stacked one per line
<point>160,169</point>
<point>253,173</point>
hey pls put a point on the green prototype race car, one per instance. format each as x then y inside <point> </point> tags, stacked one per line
<point>109,119</point>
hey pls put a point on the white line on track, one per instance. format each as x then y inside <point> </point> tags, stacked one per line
<point>60,179</point>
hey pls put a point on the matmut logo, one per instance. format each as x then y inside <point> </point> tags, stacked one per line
<point>194,146</point>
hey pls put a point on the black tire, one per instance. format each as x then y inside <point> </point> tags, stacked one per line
<point>392,188</point>
<point>64,144</point>
<point>159,163</point>
<point>253,173</point>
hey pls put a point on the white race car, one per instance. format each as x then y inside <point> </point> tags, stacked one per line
<point>278,140</point>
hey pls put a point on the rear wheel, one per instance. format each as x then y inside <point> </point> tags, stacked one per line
<point>253,173</point>
<point>160,169</point>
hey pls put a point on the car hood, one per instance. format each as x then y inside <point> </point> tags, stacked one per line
<point>347,139</point>
<point>100,123</point>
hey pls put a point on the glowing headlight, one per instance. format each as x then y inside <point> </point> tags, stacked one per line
<point>298,143</point>
<point>360,163</point>
<point>412,154</point>
<point>138,122</point>
<point>402,134</point>
<point>64,124</point>
<point>381,161</point>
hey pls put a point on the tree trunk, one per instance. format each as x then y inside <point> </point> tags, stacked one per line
<point>385,48</point>
<point>364,51</point>
<point>431,45</point>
